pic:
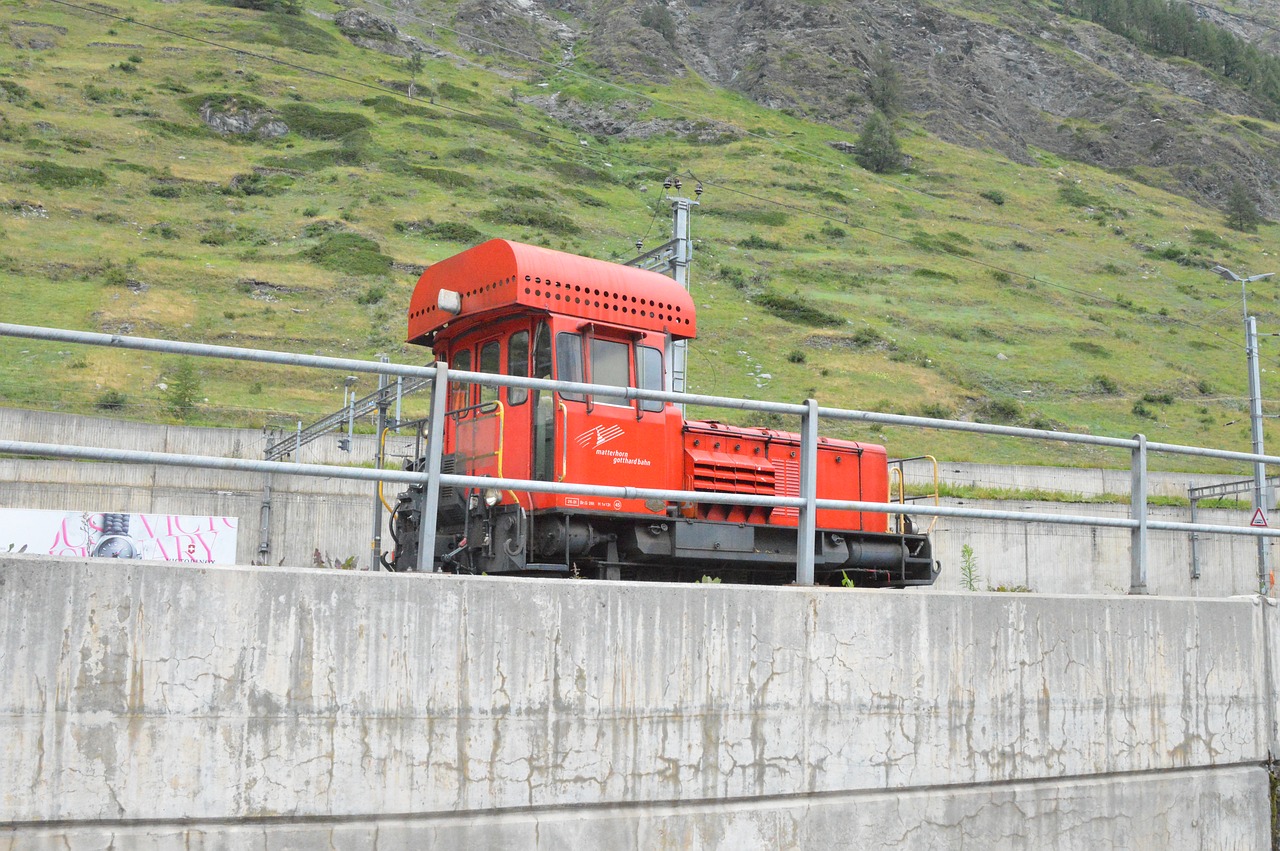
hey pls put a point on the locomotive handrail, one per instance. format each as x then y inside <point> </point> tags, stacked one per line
<point>897,468</point>
<point>564,444</point>
<point>433,477</point>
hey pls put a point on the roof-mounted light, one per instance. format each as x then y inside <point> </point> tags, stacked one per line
<point>450,302</point>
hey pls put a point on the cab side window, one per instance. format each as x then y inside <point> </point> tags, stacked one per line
<point>518,364</point>
<point>610,364</point>
<point>490,362</point>
<point>460,391</point>
<point>649,375</point>
<point>569,362</point>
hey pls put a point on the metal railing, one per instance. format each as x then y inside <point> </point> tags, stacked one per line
<point>1138,523</point>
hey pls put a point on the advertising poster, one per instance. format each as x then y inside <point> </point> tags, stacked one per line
<point>161,537</point>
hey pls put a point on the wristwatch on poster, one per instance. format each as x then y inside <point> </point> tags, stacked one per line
<point>115,541</point>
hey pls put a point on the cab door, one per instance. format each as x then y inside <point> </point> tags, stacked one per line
<point>607,439</point>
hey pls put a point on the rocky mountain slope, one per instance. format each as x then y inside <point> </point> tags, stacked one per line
<point>1008,77</point>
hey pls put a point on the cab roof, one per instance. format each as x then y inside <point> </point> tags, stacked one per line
<point>502,274</point>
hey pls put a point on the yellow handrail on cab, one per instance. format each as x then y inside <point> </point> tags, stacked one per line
<point>564,452</point>
<point>896,475</point>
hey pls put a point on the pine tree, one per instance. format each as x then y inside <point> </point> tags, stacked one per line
<point>878,149</point>
<point>1242,211</point>
<point>885,85</point>
<point>414,65</point>
<point>183,390</point>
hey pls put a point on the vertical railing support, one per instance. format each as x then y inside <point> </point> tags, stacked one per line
<point>1195,537</point>
<point>1138,511</point>
<point>806,540</point>
<point>375,560</point>
<point>435,456</point>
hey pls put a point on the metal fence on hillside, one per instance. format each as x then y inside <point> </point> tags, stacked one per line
<point>808,412</point>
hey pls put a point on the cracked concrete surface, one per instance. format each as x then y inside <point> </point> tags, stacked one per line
<point>379,706</point>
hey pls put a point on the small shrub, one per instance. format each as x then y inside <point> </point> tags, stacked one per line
<point>578,173</point>
<point>833,232</point>
<point>312,123</point>
<point>443,176</point>
<point>533,216</point>
<point>756,241</point>
<point>49,175</point>
<point>865,337</point>
<point>449,91</point>
<point>374,295</point>
<point>793,308</point>
<point>733,276</point>
<point>1141,410</point>
<point>1204,388</point>
<point>1158,398</point>
<point>97,94</point>
<point>796,356</point>
<point>1001,277</point>
<point>999,412</point>
<point>115,276</point>
<point>950,242</point>
<point>1087,347</point>
<point>349,253</point>
<point>111,400</point>
<point>255,183</point>
<point>523,193</point>
<point>1073,195</point>
<point>1209,239</point>
<point>937,411</point>
<point>995,196</point>
<point>13,92</point>
<point>658,19</point>
<point>474,156</point>
<point>1106,384</point>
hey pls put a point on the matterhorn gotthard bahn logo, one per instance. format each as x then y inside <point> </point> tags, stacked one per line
<point>594,440</point>
<point>600,435</point>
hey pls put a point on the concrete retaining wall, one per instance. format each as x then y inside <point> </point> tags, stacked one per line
<point>240,707</point>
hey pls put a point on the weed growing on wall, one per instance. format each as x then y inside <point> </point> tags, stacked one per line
<point>968,569</point>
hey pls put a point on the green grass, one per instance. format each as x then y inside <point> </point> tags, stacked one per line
<point>972,286</point>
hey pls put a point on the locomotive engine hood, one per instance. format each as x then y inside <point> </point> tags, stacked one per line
<point>500,274</point>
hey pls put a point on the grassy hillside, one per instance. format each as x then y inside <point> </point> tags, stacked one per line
<point>967,287</point>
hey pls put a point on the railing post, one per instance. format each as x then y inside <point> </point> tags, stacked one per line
<point>806,541</point>
<point>1138,511</point>
<point>435,455</point>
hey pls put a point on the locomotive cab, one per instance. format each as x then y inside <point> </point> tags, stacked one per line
<point>518,310</point>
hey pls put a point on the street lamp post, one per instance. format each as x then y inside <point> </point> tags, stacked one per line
<point>1255,409</point>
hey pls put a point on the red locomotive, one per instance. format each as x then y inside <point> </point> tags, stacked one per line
<point>513,309</point>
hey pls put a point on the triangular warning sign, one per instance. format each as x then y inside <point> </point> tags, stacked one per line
<point>1259,519</point>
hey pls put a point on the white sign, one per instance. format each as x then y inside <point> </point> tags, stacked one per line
<point>162,537</point>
